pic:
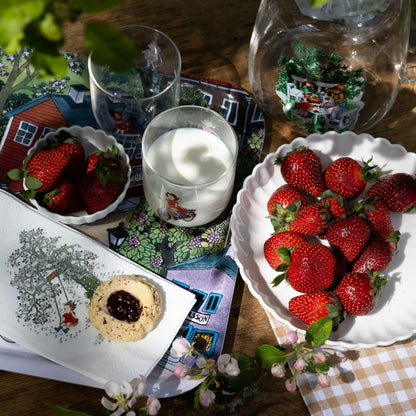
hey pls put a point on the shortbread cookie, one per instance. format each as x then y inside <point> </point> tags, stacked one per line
<point>125,308</point>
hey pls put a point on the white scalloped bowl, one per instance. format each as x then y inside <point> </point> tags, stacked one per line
<point>91,140</point>
<point>394,318</point>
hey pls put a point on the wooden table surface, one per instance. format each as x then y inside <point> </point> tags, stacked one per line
<point>213,37</point>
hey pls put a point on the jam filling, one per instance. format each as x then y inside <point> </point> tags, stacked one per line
<point>124,306</point>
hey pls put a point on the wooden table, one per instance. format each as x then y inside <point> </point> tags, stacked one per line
<point>213,37</point>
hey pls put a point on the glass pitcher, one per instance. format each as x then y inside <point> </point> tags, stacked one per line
<point>336,67</point>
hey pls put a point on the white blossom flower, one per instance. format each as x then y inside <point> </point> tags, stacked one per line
<point>290,385</point>
<point>291,337</point>
<point>180,370</point>
<point>153,405</point>
<point>180,347</point>
<point>125,395</point>
<point>323,380</point>
<point>228,365</point>
<point>278,370</point>
<point>206,397</point>
<point>300,364</point>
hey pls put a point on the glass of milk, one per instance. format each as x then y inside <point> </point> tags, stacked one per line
<point>124,103</point>
<point>189,156</point>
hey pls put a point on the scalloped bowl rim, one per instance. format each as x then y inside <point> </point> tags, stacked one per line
<point>250,259</point>
<point>104,142</point>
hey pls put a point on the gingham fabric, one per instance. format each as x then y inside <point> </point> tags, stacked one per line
<point>377,381</point>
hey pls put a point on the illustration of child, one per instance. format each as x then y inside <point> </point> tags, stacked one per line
<point>69,317</point>
<point>174,209</point>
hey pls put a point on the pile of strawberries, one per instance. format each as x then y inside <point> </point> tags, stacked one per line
<point>65,180</point>
<point>342,276</point>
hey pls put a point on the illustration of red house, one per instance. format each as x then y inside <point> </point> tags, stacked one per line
<point>31,121</point>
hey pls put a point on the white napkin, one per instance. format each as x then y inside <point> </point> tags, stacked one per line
<point>81,348</point>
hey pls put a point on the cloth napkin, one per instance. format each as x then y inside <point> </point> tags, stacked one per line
<point>378,381</point>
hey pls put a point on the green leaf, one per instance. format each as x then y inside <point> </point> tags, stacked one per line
<point>14,17</point>
<point>278,279</point>
<point>33,183</point>
<point>15,174</point>
<point>109,46</point>
<point>49,64</point>
<point>319,331</point>
<point>317,3</point>
<point>267,355</point>
<point>60,411</point>
<point>246,376</point>
<point>50,28</point>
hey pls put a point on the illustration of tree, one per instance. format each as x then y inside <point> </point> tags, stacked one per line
<point>18,81</point>
<point>35,259</point>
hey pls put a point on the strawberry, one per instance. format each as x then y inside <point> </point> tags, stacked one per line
<point>359,292</point>
<point>109,157</point>
<point>311,307</point>
<point>377,213</point>
<point>311,220</point>
<point>284,204</point>
<point>65,142</point>
<point>64,198</point>
<point>376,257</point>
<point>335,204</point>
<point>349,235</point>
<point>100,187</point>
<point>312,267</point>
<point>41,170</point>
<point>273,252</point>
<point>397,190</point>
<point>348,178</point>
<point>302,169</point>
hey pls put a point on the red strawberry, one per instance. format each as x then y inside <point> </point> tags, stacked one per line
<point>349,235</point>
<point>64,198</point>
<point>43,170</point>
<point>100,187</point>
<point>273,252</point>
<point>283,205</point>
<point>376,257</point>
<point>377,213</point>
<point>346,177</point>
<point>312,267</point>
<point>311,307</point>
<point>335,204</point>
<point>311,220</point>
<point>359,292</point>
<point>302,168</point>
<point>75,149</point>
<point>109,157</point>
<point>397,190</point>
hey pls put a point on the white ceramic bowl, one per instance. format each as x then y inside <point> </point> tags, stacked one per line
<point>91,140</point>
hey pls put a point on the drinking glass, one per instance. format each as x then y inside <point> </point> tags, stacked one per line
<point>189,157</point>
<point>335,67</point>
<point>125,102</point>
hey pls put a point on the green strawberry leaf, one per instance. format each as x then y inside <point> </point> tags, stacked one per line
<point>16,174</point>
<point>33,183</point>
<point>319,331</point>
<point>267,355</point>
<point>278,279</point>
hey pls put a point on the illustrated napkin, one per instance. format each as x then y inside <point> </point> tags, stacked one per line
<point>47,266</point>
<point>378,381</point>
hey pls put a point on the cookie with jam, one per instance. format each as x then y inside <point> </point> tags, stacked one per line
<point>125,308</point>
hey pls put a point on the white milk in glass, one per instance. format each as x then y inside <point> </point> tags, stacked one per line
<point>194,179</point>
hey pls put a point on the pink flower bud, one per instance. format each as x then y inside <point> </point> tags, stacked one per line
<point>320,358</point>
<point>278,370</point>
<point>300,364</point>
<point>323,380</point>
<point>290,385</point>
<point>290,338</point>
<point>153,405</point>
<point>180,370</point>
<point>180,347</point>
<point>206,397</point>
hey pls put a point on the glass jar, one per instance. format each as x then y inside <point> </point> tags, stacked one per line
<point>336,67</point>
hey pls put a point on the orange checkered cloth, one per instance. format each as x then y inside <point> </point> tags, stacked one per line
<point>376,381</point>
